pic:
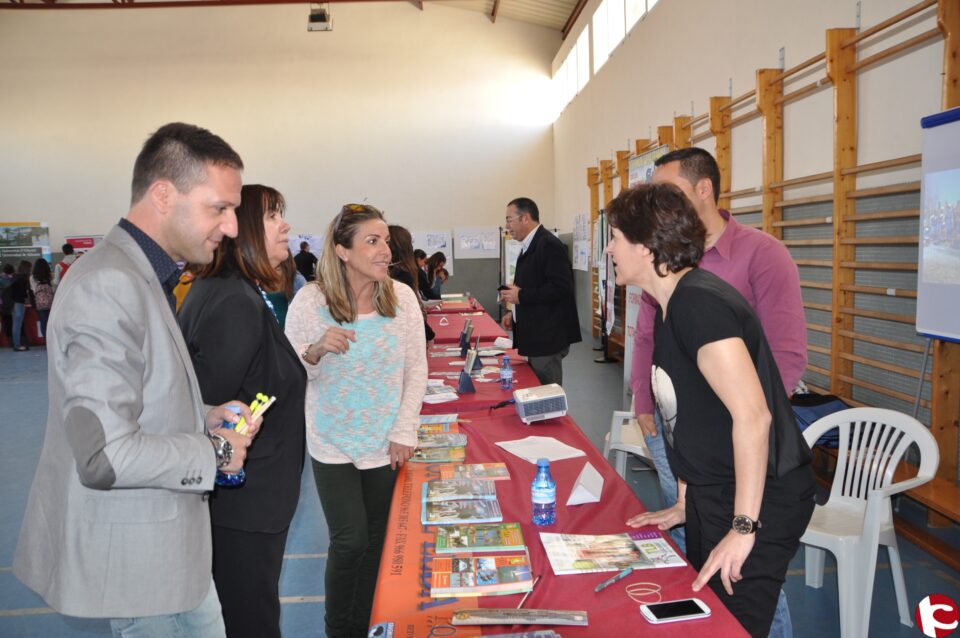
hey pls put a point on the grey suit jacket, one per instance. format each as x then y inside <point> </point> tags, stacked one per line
<point>116,522</point>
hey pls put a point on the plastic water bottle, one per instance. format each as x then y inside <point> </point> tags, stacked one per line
<point>231,480</point>
<point>506,374</point>
<point>544,492</point>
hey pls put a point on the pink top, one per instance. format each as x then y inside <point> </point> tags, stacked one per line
<point>762,270</point>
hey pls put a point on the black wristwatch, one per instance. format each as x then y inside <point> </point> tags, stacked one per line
<point>745,525</point>
<point>223,450</point>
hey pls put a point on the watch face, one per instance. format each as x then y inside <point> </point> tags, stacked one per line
<point>743,524</point>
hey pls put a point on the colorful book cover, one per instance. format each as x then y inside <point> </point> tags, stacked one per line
<point>453,490</point>
<point>583,554</point>
<point>466,575</point>
<point>459,512</point>
<point>438,428</point>
<point>441,440</point>
<point>505,537</point>
<point>483,471</point>
<point>439,455</point>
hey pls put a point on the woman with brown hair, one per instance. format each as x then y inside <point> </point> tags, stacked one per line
<point>435,263</point>
<point>361,340</point>
<point>238,350</point>
<point>403,267</point>
<point>746,484</point>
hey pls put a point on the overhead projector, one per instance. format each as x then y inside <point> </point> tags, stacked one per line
<point>541,402</point>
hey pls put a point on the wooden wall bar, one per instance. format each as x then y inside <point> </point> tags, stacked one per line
<point>840,58</point>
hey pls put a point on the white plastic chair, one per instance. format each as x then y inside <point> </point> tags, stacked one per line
<point>858,517</point>
<point>625,437</point>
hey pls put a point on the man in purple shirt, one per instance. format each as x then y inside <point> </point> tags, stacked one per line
<point>761,269</point>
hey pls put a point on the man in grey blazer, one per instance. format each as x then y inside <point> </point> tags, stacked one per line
<point>117,524</point>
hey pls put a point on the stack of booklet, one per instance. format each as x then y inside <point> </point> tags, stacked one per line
<point>458,576</point>
<point>453,501</point>
<point>482,537</point>
<point>439,441</point>
<point>483,471</point>
<point>582,554</point>
<point>439,392</point>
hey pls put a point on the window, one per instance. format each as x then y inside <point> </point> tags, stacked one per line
<point>583,59</point>
<point>615,23</point>
<point>635,9</point>
<point>601,39</point>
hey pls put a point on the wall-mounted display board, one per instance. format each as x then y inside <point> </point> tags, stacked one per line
<point>938,284</point>
<point>476,243</point>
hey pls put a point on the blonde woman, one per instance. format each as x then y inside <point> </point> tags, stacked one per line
<point>361,340</point>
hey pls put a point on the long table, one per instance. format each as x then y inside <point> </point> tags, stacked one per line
<point>455,307</point>
<point>488,388</point>
<point>403,587</point>
<point>448,326</point>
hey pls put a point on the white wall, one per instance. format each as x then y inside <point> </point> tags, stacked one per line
<point>437,116</point>
<point>689,50</point>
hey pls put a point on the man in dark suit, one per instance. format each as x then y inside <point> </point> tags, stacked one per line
<point>306,262</point>
<point>544,316</point>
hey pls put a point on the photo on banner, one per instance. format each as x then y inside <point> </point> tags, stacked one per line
<point>24,241</point>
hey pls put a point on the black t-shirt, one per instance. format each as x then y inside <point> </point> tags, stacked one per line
<point>699,429</point>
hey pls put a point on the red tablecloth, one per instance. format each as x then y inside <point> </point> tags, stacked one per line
<point>449,331</point>
<point>403,585</point>
<point>455,307</point>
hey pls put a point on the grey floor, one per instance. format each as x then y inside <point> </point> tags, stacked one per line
<point>594,391</point>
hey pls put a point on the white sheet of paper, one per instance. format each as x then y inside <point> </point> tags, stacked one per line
<point>440,398</point>
<point>503,342</point>
<point>588,486</point>
<point>540,447</point>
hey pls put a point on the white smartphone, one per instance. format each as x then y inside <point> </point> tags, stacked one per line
<point>675,610</point>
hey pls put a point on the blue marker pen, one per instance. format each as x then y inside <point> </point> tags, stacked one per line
<point>626,572</point>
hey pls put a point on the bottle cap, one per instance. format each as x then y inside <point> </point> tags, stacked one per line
<point>543,463</point>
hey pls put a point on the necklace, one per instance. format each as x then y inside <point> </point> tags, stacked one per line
<point>269,303</point>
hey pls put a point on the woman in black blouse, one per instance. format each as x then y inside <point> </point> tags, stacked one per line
<point>746,484</point>
<point>238,350</point>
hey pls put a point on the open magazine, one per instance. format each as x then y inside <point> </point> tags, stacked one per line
<point>584,554</point>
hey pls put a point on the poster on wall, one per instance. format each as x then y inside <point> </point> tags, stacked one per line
<point>21,241</point>
<point>82,243</point>
<point>476,243</point>
<point>640,171</point>
<point>432,241</point>
<point>581,242</point>
<point>511,253</point>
